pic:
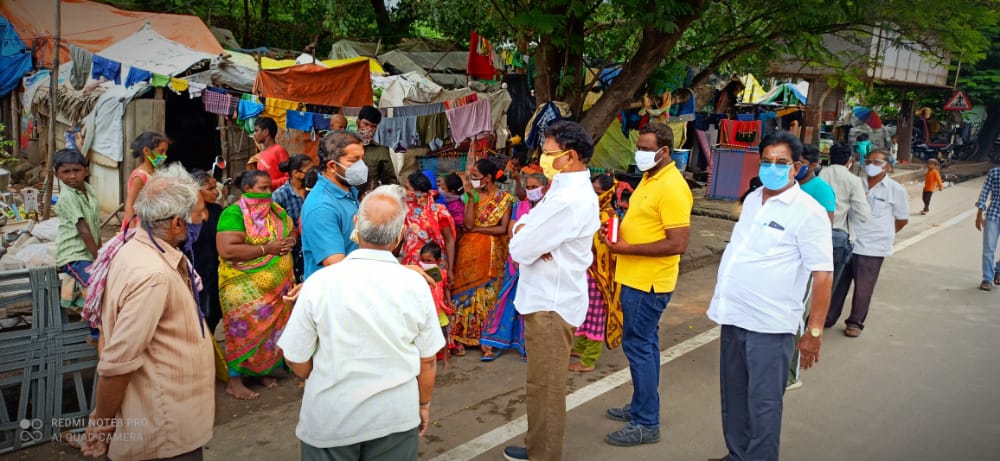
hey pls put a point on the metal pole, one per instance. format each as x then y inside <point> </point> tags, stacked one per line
<point>53,108</point>
<point>957,72</point>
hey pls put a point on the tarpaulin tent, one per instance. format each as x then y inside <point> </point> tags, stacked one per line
<point>752,89</point>
<point>95,26</point>
<point>150,51</point>
<point>614,150</point>
<point>787,94</point>
<point>349,85</point>
<point>14,61</point>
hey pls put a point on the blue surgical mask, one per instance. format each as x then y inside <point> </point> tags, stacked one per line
<point>802,173</point>
<point>774,177</point>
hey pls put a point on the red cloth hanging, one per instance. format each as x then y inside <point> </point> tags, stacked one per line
<point>480,64</point>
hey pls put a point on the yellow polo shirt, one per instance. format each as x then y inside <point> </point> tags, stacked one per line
<point>661,202</point>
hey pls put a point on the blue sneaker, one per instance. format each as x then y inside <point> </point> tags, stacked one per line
<point>515,454</point>
<point>622,414</point>
<point>632,435</point>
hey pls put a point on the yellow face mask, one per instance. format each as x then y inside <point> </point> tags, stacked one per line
<point>547,161</point>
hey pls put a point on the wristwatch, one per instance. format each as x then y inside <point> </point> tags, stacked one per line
<point>816,332</point>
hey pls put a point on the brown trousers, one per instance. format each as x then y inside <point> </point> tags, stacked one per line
<point>548,340</point>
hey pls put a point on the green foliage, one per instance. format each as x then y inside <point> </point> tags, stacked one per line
<point>7,159</point>
<point>982,79</point>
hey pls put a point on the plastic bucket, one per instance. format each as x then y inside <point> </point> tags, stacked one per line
<point>680,157</point>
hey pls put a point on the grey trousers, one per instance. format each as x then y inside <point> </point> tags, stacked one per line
<point>753,373</point>
<point>400,446</point>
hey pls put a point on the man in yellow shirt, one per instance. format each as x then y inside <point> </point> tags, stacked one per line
<point>653,235</point>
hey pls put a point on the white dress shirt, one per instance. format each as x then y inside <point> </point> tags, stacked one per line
<point>773,250</point>
<point>889,202</point>
<point>365,337</point>
<point>852,206</point>
<point>562,224</point>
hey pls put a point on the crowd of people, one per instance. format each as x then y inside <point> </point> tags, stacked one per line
<point>320,268</point>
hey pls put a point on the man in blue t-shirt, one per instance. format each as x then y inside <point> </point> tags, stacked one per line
<point>329,209</point>
<point>815,186</point>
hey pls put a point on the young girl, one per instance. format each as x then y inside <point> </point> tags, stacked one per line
<point>430,262</point>
<point>932,180</point>
<point>453,192</point>
<point>151,146</point>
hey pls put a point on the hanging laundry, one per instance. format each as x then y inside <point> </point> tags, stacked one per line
<point>160,81</point>
<point>82,61</point>
<point>432,127</point>
<point>423,109</point>
<point>459,102</point>
<point>217,101</point>
<point>470,120</point>
<point>178,85</point>
<point>104,67</point>
<point>321,122</point>
<point>277,109</point>
<point>249,106</point>
<point>297,120</point>
<point>137,75</point>
<point>195,89</point>
<point>480,63</point>
<point>536,136</point>
<point>398,132</point>
<point>680,133</point>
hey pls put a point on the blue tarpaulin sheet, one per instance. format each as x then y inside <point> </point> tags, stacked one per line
<point>15,60</point>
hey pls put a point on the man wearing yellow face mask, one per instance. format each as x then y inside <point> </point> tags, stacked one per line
<point>552,244</point>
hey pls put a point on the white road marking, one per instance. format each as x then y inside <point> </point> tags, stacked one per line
<point>492,439</point>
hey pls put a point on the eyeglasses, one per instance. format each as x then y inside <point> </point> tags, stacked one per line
<point>769,163</point>
<point>556,153</point>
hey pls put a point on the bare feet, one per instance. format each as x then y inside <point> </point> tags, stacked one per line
<point>237,389</point>
<point>577,366</point>
<point>574,354</point>
<point>269,382</point>
<point>459,351</point>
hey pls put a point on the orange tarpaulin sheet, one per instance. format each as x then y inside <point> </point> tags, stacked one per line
<point>96,26</point>
<point>349,85</point>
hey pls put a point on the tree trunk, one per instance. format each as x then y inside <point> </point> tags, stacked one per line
<point>904,130</point>
<point>384,22</point>
<point>246,24</point>
<point>574,66</point>
<point>544,56</point>
<point>991,129</point>
<point>655,46</point>
<point>265,16</point>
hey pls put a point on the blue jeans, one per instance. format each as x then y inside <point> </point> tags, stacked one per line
<point>753,371</point>
<point>641,343</point>
<point>991,232</point>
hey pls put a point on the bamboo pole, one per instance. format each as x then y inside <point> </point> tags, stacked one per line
<point>53,108</point>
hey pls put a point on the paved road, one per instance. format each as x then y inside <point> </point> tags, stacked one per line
<point>921,383</point>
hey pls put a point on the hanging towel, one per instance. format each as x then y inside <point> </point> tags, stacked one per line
<point>321,122</point>
<point>680,133</point>
<point>470,120</point>
<point>160,81</point>
<point>432,127</point>
<point>277,109</point>
<point>423,109</point>
<point>195,89</point>
<point>104,67</point>
<point>137,75</point>
<point>297,120</point>
<point>480,62</point>
<point>82,61</point>
<point>398,132</point>
<point>178,85</point>
<point>217,101</point>
<point>249,106</point>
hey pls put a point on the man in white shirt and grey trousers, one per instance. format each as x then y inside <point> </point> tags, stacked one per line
<point>782,237</point>
<point>552,244</point>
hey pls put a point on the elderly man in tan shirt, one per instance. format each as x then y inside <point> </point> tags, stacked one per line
<point>156,391</point>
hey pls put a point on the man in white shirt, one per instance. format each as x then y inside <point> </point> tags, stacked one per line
<point>852,204</point>
<point>552,244</point>
<point>782,237</point>
<point>365,348</point>
<point>890,207</point>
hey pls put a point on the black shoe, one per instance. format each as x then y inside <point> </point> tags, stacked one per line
<point>622,414</point>
<point>632,435</point>
<point>515,453</point>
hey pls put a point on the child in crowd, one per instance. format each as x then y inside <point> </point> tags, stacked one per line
<point>862,147</point>
<point>151,147</point>
<point>79,226</point>
<point>931,180</point>
<point>431,263</point>
<point>454,195</point>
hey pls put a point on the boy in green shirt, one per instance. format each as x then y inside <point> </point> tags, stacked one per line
<point>78,211</point>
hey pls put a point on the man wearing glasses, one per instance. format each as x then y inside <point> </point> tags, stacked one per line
<point>783,238</point>
<point>873,242</point>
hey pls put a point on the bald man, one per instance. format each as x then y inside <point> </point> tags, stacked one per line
<point>338,122</point>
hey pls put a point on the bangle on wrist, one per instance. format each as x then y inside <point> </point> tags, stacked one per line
<point>425,404</point>
<point>262,252</point>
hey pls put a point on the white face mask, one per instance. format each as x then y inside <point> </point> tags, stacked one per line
<point>645,160</point>
<point>476,183</point>
<point>535,194</point>
<point>873,170</point>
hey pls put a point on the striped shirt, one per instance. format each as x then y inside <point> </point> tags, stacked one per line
<point>991,194</point>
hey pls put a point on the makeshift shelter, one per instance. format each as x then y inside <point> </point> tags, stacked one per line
<point>446,69</point>
<point>752,89</point>
<point>14,60</point>
<point>347,85</point>
<point>786,94</point>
